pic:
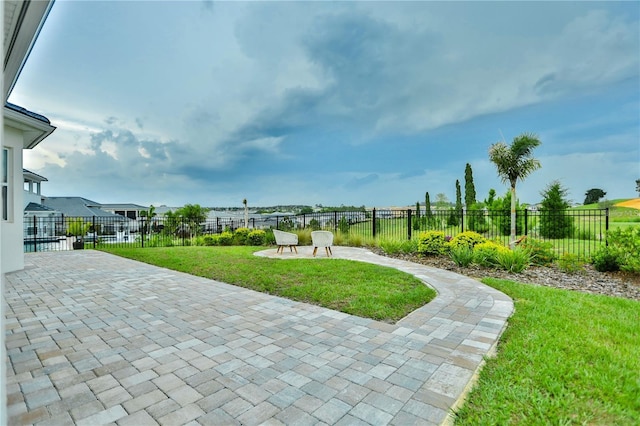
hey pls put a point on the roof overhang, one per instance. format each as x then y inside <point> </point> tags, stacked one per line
<point>23,20</point>
<point>33,177</point>
<point>34,129</point>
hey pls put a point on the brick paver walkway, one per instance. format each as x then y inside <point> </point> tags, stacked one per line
<point>96,339</point>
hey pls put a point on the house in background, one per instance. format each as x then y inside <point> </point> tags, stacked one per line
<point>109,222</point>
<point>41,223</point>
<point>21,128</point>
<point>132,211</point>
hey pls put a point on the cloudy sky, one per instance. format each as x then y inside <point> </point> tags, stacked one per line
<point>354,103</point>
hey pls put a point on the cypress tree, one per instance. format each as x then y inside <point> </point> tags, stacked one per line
<point>469,187</point>
<point>454,215</point>
<point>428,214</point>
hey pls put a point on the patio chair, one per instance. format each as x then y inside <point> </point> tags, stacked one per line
<point>285,239</point>
<point>322,239</point>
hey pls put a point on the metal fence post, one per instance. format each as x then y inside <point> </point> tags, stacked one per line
<point>373,223</point>
<point>95,232</point>
<point>409,224</point>
<point>526,221</point>
<point>35,234</point>
<point>606,227</point>
<point>142,231</point>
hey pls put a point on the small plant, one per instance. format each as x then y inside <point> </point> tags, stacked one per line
<point>541,252</point>
<point>468,239</point>
<point>462,255</point>
<point>570,263</point>
<point>432,243</point>
<point>208,240</point>
<point>409,246</point>
<point>391,246</point>
<point>516,260</point>
<point>606,260</point>
<point>486,254</point>
<point>395,246</point>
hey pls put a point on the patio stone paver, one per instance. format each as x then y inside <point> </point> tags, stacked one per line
<point>92,338</point>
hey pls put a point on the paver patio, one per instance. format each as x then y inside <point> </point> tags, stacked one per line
<point>97,339</point>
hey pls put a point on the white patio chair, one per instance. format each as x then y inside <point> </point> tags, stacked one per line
<point>322,239</point>
<point>285,239</point>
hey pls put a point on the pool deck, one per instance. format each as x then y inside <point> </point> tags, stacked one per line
<point>92,339</point>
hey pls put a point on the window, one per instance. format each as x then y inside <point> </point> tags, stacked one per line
<point>6,183</point>
<point>131,214</point>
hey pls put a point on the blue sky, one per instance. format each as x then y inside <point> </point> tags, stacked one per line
<point>354,103</point>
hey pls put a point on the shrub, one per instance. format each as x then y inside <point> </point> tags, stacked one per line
<point>462,255</point>
<point>486,254</point>
<point>257,237</point>
<point>516,260</point>
<point>554,219</point>
<point>240,236</point>
<point>225,239</point>
<point>570,263</point>
<point>625,243</point>
<point>432,243</point>
<point>541,252</point>
<point>208,240</point>
<point>467,238</point>
<point>606,260</point>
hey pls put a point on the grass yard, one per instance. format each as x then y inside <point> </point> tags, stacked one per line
<point>565,358</point>
<point>357,288</point>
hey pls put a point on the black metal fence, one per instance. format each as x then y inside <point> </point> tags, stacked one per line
<point>574,231</point>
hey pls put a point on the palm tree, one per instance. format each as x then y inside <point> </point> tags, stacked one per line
<point>515,162</point>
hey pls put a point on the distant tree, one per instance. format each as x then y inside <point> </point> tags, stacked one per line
<point>492,197</point>
<point>593,196</point>
<point>306,210</point>
<point>416,219</point>
<point>428,214</point>
<point>469,187</point>
<point>554,220</point>
<point>441,200</point>
<point>192,216</point>
<point>148,215</point>
<point>458,196</point>
<point>638,187</point>
<point>514,163</point>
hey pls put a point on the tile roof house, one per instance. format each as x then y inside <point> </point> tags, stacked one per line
<point>21,128</point>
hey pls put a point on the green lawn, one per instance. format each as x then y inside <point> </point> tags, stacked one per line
<point>362,289</point>
<point>565,357</point>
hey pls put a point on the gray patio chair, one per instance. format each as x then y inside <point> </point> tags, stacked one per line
<point>285,239</point>
<point>322,239</point>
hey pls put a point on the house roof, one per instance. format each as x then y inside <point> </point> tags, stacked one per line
<point>35,207</point>
<point>123,206</point>
<point>28,113</point>
<point>34,177</point>
<point>78,206</point>
<point>34,127</point>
